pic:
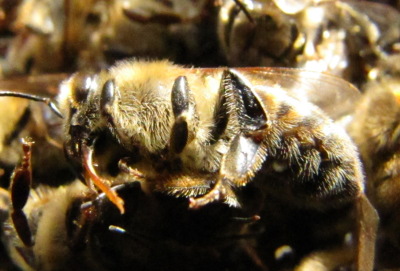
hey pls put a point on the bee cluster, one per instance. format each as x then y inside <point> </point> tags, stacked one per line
<point>199,135</point>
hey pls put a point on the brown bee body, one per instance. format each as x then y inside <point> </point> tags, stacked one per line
<point>260,129</point>
<point>242,139</point>
<point>140,115</point>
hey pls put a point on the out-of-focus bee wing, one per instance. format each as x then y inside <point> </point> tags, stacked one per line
<point>335,96</point>
<point>43,85</point>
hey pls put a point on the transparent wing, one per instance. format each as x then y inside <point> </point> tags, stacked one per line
<point>335,96</point>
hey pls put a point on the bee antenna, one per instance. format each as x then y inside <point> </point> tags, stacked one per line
<point>36,98</point>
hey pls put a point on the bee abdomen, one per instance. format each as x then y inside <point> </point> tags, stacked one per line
<point>313,163</point>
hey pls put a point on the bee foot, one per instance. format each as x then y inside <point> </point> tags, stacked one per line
<point>123,165</point>
<point>216,194</point>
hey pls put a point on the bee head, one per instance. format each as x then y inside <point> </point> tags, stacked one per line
<point>81,100</point>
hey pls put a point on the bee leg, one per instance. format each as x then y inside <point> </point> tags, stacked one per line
<point>217,193</point>
<point>123,165</point>
<point>101,184</point>
<point>107,98</point>
<point>21,181</point>
<point>221,116</point>
<point>235,167</point>
<point>244,154</point>
<point>246,12</point>
<point>180,106</point>
<point>368,220</point>
<point>244,103</point>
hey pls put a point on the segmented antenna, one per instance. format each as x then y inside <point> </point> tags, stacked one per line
<point>32,97</point>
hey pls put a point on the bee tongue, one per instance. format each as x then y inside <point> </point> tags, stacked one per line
<point>92,178</point>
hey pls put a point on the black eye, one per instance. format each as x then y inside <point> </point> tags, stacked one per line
<point>83,84</point>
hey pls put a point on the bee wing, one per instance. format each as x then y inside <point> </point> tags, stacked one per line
<point>335,96</point>
<point>43,85</point>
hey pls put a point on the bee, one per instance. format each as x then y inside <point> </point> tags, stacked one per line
<point>94,34</point>
<point>162,139</point>
<point>374,128</point>
<point>156,232</point>
<point>88,227</point>
<point>265,40</point>
<point>345,38</point>
<point>208,135</point>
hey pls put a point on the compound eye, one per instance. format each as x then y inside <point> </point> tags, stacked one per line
<point>83,85</point>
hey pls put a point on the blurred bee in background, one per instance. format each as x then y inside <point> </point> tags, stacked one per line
<point>7,17</point>
<point>263,146</point>
<point>393,3</point>
<point>21,118</point>
<point>375,130</point>
<point>266,40</point>
<point>94,34</point>
<point>345,38</point>
<point>7,13</point>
